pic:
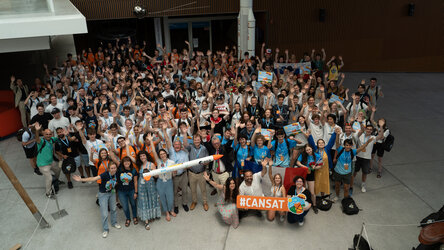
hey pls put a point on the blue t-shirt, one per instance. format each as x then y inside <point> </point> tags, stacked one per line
<point>311,162</point>
<point>261,153</point>
<point>242,153</point>
<point>344,158</point>
<point>281,155</point>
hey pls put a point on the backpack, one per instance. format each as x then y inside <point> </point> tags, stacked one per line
<point>349,206</point>
<point>376,93</point>
<point>21,132</point>
<point>388,142</point>
<point>323,204</point>
<point>352,155</point>
<point>433,217</point>
<point>286,143</point>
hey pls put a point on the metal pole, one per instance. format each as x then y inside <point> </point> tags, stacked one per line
<point>22,192</point>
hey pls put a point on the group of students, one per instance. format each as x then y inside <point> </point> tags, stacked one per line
<point>119,113</point>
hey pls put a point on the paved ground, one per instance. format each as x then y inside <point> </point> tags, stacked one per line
<point>410,189</point>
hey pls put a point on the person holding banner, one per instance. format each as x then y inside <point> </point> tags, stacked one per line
<point>310,160</point>
<point>227,203</point>
<point>277,190</point>
<point>298,189</point>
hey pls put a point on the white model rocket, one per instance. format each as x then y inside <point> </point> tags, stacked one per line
<point>175,167</point>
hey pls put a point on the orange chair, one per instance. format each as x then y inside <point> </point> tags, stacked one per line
<point>10,121</point>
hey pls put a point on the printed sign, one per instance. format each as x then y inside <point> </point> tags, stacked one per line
<point>304,68</point>
<point>335,98</point>
<point>295,204</point>
<point>265,76</point>
<point>266,133</point>
<point>292,129</point>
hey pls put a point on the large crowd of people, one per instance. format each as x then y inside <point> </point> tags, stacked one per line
<point>122,111</point>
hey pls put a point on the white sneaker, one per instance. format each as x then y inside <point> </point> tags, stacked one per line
<point>105,234</point>
<point>117,226</point>
<point>301,223</point>
<point>335,199</point>
<point>363,189</point>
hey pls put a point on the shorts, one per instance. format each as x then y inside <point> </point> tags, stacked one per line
<point>344,178</point>
<point>378,149</point>
<point>31,152</point>
<point>362,163</point>
<point>84,160</point>
<point>310,176</point>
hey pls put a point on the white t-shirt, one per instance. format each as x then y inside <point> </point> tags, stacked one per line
<point>32,104</point>
<point>106,122</point>
<point>317,131</point>
<point>63,122</point>
<point>97,144</point>
<point>26,137</point>
<point>50,107</point>
<point>63,102</point>
<point>367,152</point>
<point>165,93</point>
<point>255,189</point>
<point>328,132</point>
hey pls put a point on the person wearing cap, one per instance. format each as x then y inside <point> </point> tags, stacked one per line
<point>90,119</point>
<point>58,121</point>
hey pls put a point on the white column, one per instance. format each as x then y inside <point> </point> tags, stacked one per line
<point>246,24</point>
<point>166,31</point>
<point>158,32</point>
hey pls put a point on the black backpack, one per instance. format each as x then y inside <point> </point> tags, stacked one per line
<point>387,145</point>
<point>323,204</point>
<point>21,132</point>
<point>433,217</point>
<point>349,206</point>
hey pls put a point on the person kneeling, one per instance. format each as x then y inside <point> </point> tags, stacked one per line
<point>295,190</point>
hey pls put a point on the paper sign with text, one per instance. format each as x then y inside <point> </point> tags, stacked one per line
<point>265,76</point>
<point>292,129</point>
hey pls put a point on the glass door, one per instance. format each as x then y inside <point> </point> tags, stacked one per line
<point>178,35</point>
<point>201,36</point>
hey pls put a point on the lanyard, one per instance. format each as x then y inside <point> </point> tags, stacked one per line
<point>198,153</point>
<point>253,112</point>
<point>267,122</point>
<point>105,164</point>
<point>149,166</point>
<point>66,143</point>
<point>280,109</point>
<point>250,134</point>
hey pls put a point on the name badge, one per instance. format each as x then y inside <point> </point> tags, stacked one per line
<point>69,150</point>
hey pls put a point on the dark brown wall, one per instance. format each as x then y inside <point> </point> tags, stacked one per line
<point>371,35</point>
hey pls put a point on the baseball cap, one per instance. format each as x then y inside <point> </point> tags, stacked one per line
<point>55,111</point>
<point>268,51</point>
<point>89,108</point>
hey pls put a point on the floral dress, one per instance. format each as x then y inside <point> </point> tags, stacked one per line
<point>229,212</point>
<point>148,206</point>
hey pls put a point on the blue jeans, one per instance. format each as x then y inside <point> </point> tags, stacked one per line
<point>166,194</point>
<point>105,200</point>
<point>292,218</point>
<point>124,196</point>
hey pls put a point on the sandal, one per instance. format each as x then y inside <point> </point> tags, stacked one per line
<point>127,223</point>
<point>147,226</point>
<point>118,205</point>
<point>135,221</point>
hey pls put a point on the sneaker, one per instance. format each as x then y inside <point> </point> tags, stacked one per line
<point>117,226</point>
<point>282,219</point>
<point>350,191</point>
<point>363,189</point>
<point>301,223</point>
<point>37,171</point>
<point>335,199</point>
<point>70,186</point>
<point>50,196</point>
<point>185,207</point>
<point>315,209</point>
<point>176,210</point>
<point>105,234</point>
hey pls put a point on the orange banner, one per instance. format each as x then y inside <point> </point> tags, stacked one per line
<point>262,203</point>
<point>295,204</point>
